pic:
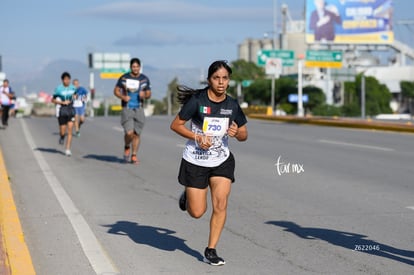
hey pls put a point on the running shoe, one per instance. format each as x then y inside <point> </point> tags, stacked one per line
<point>182,202</point>
<point>61,140</point>
<point>68,153</point>
<point>127,151</point>
<point>77,134</point>
<point>212,258</point>
<point>134,159</point>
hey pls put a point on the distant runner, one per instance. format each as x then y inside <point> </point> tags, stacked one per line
<point>6,100</point>
<point>132,88</point>
<point>81,97</point>
<point>65,112</point>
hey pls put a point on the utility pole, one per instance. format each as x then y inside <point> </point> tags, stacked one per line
<point>363,95</point>
<point>91,89</point>
<point>300,85</point>
<point>274,23</point>
<point>273,88</point>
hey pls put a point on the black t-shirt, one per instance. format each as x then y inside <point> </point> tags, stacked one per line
<point>212,119</point>
<point>200,106</point>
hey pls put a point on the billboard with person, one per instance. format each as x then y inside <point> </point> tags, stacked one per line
<point>349,21</point>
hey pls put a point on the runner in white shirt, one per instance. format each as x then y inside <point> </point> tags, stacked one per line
<point>6,101</point>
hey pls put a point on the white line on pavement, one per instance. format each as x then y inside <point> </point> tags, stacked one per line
<point>356,145</point>
<point>93,250</point>
<point>117,128</point>
<point>410,207</point>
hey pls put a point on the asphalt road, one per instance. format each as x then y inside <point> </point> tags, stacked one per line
<point>307,200</point>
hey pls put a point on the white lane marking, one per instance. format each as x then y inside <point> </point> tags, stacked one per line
<point>180,145</point>
<point>356,145</point>
<point>93,250</point>
<point>410,207</point>
<point>117,128</point>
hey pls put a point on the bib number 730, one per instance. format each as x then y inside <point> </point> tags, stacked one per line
<point>215,126</point>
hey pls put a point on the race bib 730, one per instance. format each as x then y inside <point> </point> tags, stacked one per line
<point>215,126</point>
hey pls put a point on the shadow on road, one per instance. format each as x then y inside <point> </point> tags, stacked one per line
<point>104,158</point>
<point>348,240</point>
<point>50,150</point>
<point>157,237</point>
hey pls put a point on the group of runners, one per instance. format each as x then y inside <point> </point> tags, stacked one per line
<point>207,163</point>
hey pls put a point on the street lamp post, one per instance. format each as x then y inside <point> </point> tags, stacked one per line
<point>274,76</point>
<point>363,95</point>
<point>91,88</point>
<point>274,23</point>
<point>300,89</point>
<point>272,94</point>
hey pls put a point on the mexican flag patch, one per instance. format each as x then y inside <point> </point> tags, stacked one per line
<point>205,110</point>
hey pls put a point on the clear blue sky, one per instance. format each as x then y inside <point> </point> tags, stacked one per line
<point>164,34</point>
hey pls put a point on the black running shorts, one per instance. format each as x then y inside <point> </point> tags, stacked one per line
<point>195,176</point>
<point>63,120</point>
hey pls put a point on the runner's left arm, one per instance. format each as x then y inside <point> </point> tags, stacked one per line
<point>146,90</point>
<point>240,133</point>
<point>238,127</point>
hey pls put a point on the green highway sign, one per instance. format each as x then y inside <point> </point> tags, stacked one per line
<point>323,59</point>
<point>287,57</point>
<point>246,83</point>
<point>114,70</point>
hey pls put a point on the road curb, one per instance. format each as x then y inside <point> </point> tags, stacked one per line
<point>340,122</point>
<point>18,260</point>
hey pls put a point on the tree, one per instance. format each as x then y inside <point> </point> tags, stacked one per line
<point>258,92</point>
<point>172,96</point>
<point>285,86</point>
<point>407,91</point>
<point>243,70</point>
<point>351,107</point>
<point>316,97</point>
<point>288,86</point>
<point>377,96</point>
<point>161,106</point>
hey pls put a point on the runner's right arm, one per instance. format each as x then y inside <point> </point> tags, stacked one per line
<point>118,93</point>
<point>178,126</point>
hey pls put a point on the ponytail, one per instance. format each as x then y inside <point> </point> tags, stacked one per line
<point>184,93</point>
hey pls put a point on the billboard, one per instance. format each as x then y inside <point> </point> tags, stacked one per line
<point>349,21</point>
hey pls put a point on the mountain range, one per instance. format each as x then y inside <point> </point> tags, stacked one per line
<point>48,78</point>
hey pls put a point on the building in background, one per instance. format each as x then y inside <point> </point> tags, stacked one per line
<point>364,36</point>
